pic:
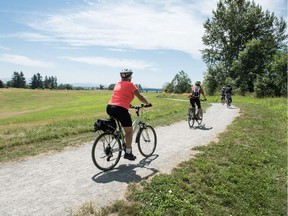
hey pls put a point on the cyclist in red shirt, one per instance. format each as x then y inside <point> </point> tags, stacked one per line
<point>118,107</point>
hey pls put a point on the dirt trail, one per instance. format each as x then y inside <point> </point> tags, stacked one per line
<point>59,183</point>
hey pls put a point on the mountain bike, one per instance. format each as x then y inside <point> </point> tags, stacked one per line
<point>194,116</point>
<point>109,145</point>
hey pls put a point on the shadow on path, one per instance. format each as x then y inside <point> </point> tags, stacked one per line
<point>201,127</point>
<point>126,172</point>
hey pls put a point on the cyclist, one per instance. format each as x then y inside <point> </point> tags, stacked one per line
<point>228,94</point>
<point>195,97</point>
<point>223,94</point>
<point>118,107</point>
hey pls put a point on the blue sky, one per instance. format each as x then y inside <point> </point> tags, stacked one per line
<point>91,41</point>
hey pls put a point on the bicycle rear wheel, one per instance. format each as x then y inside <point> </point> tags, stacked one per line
<point>106,151</point>
<point>191,118</point>
<point>199,119</point>
<point>147,140</point>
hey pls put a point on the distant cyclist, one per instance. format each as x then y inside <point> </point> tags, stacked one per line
<point>228,94</point>
<point>118,106</point>
<point>222,93</point>
<point>197,90</point>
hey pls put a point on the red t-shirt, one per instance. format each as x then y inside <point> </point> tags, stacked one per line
<point>123,94</point>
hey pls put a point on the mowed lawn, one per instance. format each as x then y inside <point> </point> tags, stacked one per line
<point>38,121</point>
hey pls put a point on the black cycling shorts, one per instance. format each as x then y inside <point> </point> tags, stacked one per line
<point>195,100</point>
<point>121,114</point>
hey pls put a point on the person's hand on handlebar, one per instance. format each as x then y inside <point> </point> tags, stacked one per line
<point>146,105</point>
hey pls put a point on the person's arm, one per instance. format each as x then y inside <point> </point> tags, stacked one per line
<point>140,97</point>
<point>203,93</point>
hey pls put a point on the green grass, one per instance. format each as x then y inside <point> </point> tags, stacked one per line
<point>33,122</point>
<point>244,173</point>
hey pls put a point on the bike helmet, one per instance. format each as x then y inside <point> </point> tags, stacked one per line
<point>126,73</point>
<point>223,87</point>
<point>197,83</point>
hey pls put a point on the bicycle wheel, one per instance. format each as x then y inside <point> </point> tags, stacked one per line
<point>106,151</point>
<point>199,117</point>
<point>147,140</point>
<point>191,118</point>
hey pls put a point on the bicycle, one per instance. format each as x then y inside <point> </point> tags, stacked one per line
<point>108,146</point>
<point>194,116</point>
<point>228,100</point>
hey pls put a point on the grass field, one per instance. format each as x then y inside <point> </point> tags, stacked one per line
<point>33,122</point>
<point>244,173</point>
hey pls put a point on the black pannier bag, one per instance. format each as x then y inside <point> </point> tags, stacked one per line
<point>106,125</point>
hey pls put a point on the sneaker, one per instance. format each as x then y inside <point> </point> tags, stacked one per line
<point>129,156</point>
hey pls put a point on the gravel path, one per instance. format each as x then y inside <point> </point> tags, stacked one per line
<point>59,183</point>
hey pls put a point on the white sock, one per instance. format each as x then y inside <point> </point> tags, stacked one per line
<point>128,151</point>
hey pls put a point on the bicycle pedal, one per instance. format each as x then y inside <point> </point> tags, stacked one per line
<point>108,158</point>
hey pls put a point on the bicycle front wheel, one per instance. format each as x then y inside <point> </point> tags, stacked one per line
<point>147,140</point>
<point>191,118</point>
<point>106,151</point>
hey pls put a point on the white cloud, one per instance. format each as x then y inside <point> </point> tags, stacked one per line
<point>161,25</point>
<point>111,62</point>
<point>23,60</point>
<point>145,25</point>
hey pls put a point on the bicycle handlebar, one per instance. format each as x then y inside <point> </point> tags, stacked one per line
<point>141,106</point>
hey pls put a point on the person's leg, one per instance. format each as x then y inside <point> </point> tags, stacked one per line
<point>200,111</point>
<point>128,137</point>
<point>124,117</point>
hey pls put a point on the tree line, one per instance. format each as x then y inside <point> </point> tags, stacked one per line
<point>18,80</point>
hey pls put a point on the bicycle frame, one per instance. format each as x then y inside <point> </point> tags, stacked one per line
<point>136,124</point>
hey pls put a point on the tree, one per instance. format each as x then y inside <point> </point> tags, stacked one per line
<point>18,80</point>
<point>273,81</point>
<point>65,87</point>
<point>139,87</point>
<point>238,31</point>
<point>111,86</point>
<point>36,82</point>
<point>50,82</point>
<point>1,84</point>
<point>181,83</point>
<point>168,87</point>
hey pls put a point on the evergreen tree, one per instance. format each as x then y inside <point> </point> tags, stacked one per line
<point>36,82</point>
<point>1,84</point>
<point>18,80</point>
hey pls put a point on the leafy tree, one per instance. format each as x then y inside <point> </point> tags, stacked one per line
<point>168,87</point>
<point>273,82</point>
<point>18,80</point>
<point>238,31</point>
<point>181,83</point>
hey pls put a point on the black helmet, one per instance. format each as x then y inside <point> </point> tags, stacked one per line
<point>126,73</point>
